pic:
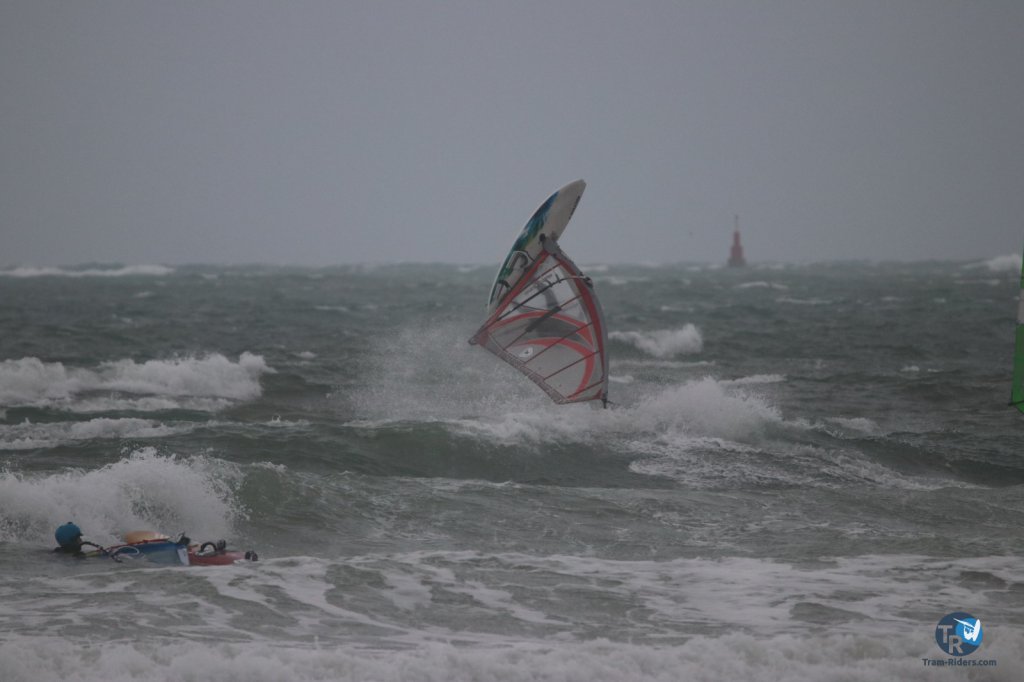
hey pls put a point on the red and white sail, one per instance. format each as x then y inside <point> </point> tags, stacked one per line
<point>550,327</point>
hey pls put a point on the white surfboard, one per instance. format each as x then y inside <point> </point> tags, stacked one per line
<point>548,220</point>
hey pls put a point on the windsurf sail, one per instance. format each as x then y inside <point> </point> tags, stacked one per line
<point>549,325</point>
<point>1017,387</point>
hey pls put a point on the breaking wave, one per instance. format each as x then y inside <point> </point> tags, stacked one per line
<point>29,436</point>
<point>1005,263</point>
<point>762,285</point>
<point>706,408</point>
<point>144,491</point>
<point>126,271</point>
<point>663,343</point>
<point>207,382</point>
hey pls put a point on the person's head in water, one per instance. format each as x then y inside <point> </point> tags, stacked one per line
<point>69,538</point>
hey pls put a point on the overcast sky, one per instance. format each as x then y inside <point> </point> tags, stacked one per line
<point>240,131</point>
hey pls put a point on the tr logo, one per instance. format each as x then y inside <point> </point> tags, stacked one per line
<point>958,634</point>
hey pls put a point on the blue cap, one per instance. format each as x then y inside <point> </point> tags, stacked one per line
<point>67,535</point>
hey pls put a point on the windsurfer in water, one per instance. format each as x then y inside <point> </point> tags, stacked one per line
<point>69,540</point>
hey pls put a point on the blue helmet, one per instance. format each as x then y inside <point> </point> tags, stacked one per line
<point>68,535</point>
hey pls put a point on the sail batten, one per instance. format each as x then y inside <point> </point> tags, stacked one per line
<point>570,366</point>
<point>576,330</point>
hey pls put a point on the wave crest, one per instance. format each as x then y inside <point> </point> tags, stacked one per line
<point>1006,263</point>
<point>125,271</point>
<point>144,491</point>
<point>213,379</point>
<point>29,436</point>
<point>663,343</point>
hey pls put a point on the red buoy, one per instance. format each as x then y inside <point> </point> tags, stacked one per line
<point>736,259</point>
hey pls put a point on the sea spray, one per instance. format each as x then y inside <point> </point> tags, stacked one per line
<point>156,384</point>
<point>143,491</point>
<point>663,343</point>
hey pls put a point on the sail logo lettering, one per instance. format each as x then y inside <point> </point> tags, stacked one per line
<point>959,634</point>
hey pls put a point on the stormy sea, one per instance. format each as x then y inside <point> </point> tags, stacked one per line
<point>804,470</point>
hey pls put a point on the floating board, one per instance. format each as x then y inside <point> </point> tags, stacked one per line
<point>158,551</point>
<point>548,220</point>
<point>217,558</point>
<point>157,548</point>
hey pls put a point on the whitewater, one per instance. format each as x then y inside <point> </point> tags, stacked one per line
<point>805,468</point>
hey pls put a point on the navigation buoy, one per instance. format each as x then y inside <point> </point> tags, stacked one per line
<point>736,259</point>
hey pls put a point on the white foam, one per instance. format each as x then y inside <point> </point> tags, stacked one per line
<point>408,592</point>
<point>143,491</point>
<point>713,433</point>
<point>1010,263</point>
<point>756,379</point>
<point>803,301</point>
<point>863,595</point>
<point>30,381</point>
<point>210,379</point>
<point>861,425</point>
<point>735,656</point>
<point>703,408</point>
<point>707,408</point>
<point>762,285</point>
<point>278,423</point>
<point>126,271</point>
<point>620,280</point>
<point>91,404</point>
<point>439,616</point>
<point>26,435</point>
<point>663,343</point>
<point>210,376</point>
<point>661,364</point>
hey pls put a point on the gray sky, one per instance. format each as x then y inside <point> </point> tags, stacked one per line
<point>316,133</point>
